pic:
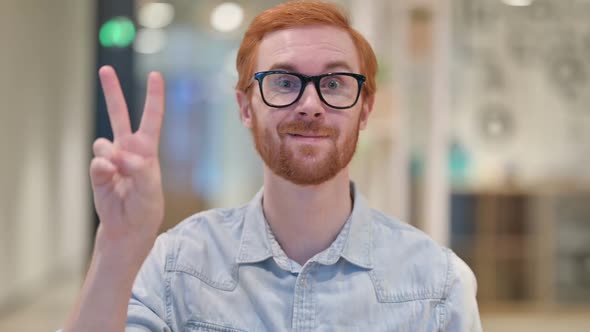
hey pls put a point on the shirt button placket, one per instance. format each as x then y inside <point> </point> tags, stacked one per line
<point>304,302</point>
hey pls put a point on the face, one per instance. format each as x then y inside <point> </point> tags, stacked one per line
<point>308,142</point>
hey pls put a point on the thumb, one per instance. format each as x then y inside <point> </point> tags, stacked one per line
<point>128,164</point>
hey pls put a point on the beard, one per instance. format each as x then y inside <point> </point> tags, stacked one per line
<point>304,164</point>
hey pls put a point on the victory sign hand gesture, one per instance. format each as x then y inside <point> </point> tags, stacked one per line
<point>125,173</point>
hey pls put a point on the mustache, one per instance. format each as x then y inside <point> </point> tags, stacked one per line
<point>307,128</point>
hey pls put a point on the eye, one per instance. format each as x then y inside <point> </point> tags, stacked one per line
<point>333,84</point>
<point>285,83</point>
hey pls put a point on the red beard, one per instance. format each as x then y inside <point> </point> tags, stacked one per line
<point>305,164</point>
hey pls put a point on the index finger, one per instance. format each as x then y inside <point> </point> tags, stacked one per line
<point>153,113</point>
<point>116,105</point>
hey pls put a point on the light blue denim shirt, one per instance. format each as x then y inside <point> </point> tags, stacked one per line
<point>223,270</point>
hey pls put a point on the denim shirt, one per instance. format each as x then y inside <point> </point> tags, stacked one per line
<point>223,270</point>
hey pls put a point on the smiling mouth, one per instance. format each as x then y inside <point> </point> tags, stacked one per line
<point>307,136</point>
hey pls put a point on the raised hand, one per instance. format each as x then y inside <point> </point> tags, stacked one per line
<point>125,173</point>
<point>128,196</point>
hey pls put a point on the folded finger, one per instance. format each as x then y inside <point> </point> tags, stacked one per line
<point>102,147</point>
<point>101,171</point>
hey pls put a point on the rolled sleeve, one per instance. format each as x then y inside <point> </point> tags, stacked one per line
<point>147,305</point>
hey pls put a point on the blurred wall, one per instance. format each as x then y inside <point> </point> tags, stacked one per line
<point>46,66</point>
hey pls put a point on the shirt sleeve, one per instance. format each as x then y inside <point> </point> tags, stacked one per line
<point>462,313</point>
<point>147,305</point>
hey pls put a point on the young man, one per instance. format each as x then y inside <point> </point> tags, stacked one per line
<point>307,253</point>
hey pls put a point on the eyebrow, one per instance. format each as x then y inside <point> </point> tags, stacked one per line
<point>330,66</point>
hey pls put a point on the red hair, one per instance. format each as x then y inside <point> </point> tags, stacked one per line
<point>302,13</point>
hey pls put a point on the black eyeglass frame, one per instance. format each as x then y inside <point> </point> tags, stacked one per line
<point>305,79</point>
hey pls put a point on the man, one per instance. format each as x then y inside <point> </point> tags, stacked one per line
<point>306,254</point>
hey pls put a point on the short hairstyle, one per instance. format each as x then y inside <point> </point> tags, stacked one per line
<point>295,14</point>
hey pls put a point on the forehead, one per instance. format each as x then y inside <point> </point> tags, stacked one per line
<point>309,50</point>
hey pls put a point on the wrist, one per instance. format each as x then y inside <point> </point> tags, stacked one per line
<point>125,252</point>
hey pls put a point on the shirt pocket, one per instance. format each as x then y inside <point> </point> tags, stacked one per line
<point>196,326</point>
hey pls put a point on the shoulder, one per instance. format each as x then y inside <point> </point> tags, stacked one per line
<point>227,223</point>
<point>406,242</point>
<point>205,246</point>
<point>409,265</point>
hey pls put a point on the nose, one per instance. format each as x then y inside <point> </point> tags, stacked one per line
<point>310,105</point>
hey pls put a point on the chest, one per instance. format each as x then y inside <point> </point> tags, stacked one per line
<point>319,298</point>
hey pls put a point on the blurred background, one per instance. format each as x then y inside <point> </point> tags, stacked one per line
<point>480,136</point>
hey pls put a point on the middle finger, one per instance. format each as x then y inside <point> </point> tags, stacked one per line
<point>115,100</point>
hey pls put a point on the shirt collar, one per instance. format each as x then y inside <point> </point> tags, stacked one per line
<point>353,243</point>
<point>254,244</point>
<point>358,248</point>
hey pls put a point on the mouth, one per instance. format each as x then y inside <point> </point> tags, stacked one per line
<point>307,138</point>
<point>306,135</point>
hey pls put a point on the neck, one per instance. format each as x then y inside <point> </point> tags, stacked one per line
<point>306,219</point>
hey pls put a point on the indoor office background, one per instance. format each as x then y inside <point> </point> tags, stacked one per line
<point>480,136</point>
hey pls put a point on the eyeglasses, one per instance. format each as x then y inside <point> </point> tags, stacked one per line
<point>283,89</point>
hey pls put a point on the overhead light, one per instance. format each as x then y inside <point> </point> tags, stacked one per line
<point>518,3</point>
<point>117,32</point>
<point>149,41</point>
<point>227,16</point>
<point>155,15</point>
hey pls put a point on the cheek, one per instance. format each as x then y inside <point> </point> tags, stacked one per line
<point>265,121</point>
<point>258,112</point>
<point>352,125</point>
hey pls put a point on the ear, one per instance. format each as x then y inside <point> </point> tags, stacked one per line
<point>366,110</point>
<point>245,110</point>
